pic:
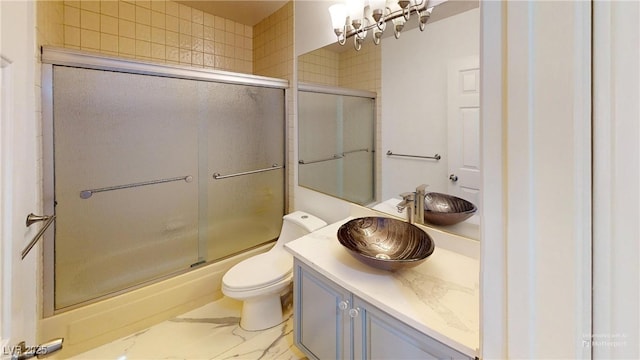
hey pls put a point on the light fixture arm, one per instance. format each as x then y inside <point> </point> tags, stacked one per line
<point>376,21</point>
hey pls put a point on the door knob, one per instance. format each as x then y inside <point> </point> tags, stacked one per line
<point>343,305</point>
<point>453,177</point>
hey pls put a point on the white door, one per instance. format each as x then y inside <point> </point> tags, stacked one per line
<point>463,114</point>
<point>18,173</point>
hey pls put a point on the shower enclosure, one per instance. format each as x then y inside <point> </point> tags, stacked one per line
<point>152,170</point>
<point>336,142</point>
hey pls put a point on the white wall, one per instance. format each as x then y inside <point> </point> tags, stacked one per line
<point>414,100</point>
<point>616,279</point>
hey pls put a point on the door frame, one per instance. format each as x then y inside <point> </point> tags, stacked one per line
<point>529,169</point>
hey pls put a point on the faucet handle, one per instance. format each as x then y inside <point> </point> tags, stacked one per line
<point>422,188</point>
<point>408,196</point>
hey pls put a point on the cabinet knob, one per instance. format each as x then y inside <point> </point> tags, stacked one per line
<point>354,312</point>
<point>343,305</point>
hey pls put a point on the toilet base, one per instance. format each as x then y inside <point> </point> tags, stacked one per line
<point>261,313</point>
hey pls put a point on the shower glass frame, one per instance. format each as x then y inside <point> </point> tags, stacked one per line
<point>64,57</point>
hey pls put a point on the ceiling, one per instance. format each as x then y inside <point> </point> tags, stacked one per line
<point>247,12</point>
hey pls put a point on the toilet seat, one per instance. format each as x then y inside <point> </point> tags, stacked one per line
<point>259,271</point>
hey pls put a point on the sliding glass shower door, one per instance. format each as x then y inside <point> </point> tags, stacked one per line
<point>136,198</point>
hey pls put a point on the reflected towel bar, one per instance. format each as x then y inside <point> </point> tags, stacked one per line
<point>31,219</point>
<point>217,176</point>
<point>355,151</point>
<point>334,157</point>
<point>85,194</point>
<point>435,157</point>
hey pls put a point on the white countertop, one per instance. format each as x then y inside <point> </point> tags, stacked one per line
<point>439,297</point>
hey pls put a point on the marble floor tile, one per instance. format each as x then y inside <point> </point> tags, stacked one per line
<point>209,332</point>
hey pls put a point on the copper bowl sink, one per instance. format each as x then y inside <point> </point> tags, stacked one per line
<point>385,243</point>
<point>443,209</point>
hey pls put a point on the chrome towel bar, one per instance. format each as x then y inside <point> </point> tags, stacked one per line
<point>31,219</point>
<point>217,176</point>
<point>85,194</point>
<point>435,157</point>
<point>334,157</point>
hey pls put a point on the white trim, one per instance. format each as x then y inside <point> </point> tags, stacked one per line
<point>535,105</point>
<point>76,58</point>
<point>616,181</point>
<point>493,271</point>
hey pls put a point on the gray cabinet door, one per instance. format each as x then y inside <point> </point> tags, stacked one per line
<point>322,328</point>
<point>380,336</point>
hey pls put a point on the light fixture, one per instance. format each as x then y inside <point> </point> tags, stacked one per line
<point>354,18</point>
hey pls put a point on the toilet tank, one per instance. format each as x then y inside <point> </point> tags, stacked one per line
<point>298,224</point>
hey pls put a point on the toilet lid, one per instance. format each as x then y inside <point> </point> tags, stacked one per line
<point>259,271</point>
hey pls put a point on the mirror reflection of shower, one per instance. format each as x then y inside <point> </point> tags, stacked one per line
<point>336,128</point>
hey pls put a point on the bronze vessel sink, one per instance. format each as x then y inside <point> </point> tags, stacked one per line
<point>385,243</point>
<point>444,209</point>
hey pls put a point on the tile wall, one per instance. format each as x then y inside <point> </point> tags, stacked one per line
<point>346,68</point>
<point>159,31</point>
<point>273,44</point>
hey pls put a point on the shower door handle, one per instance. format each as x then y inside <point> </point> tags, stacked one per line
<point>32,219</point>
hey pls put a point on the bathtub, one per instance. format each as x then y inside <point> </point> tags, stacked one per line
<point>103,321</point>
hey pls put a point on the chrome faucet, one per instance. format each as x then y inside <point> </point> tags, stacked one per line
<point>413,202</point>
<point>409,203</point>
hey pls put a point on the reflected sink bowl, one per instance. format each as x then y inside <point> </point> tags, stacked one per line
<point>385,243</point>
<point>443,209</point>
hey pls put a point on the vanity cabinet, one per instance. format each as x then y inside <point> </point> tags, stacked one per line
<point>333,323</point>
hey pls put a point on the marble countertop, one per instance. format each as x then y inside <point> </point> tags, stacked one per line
<point>439,297</point>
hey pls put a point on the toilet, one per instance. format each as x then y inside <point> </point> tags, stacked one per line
<point>260,280</point>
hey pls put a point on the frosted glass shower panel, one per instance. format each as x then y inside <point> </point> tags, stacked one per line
<point>245,134</point>
<point>137,219</point>
<point>336,145</point>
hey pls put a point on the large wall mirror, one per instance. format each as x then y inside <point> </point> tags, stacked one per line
<point>336,130</point>
<point>427,84</point>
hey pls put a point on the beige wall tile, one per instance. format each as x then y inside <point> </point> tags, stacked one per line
<point>144,3</point>
<point>143,15</point>
<point>158,51</point>
<point>197,16</point>
<point>158,36</point>
<point>143,32</point>
<point>159,6</point>
<point>126,11</point>
<point>208,20</point>
<point>109,8</point>
<point>71,16</point>
<point>109,25</point>
<point>173,54</point>
<point>109,43</point>
<point>143,48</point>
<point>89,39</point>
<point>127,28</point>
<point>158,19</point>
<point>172,39</point>
<point>185,56</point>
<point>185,27</point>
<point>184,12</point>
<point>172,23</point>
<point>89,20</point>
<point>71,36</point>
<point>126,46</point>
<point>93,6</point>
<point>172,8</point>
